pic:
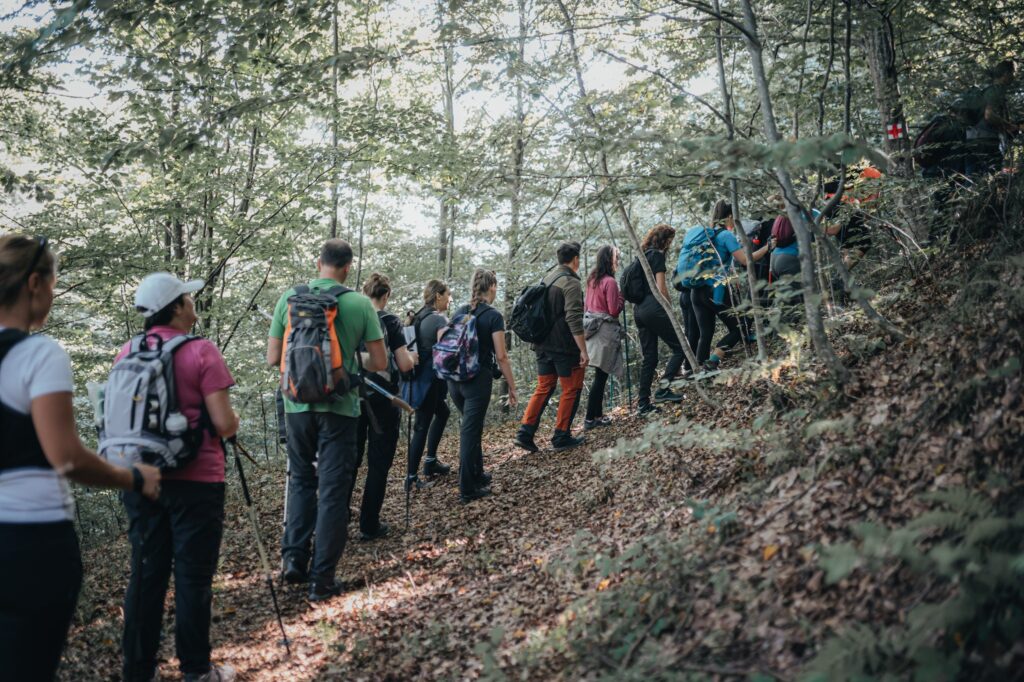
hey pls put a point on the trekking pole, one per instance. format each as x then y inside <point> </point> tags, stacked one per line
<point>236,447</point>
<point>408,483</point>
<point>625,328</point>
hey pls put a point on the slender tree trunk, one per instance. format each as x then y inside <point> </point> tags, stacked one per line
<point>748,248</point>
<point>447,205</point>
<point>879,41</point>
<point>606,181</point>
<point>815,323</point>
<point>334,122</point>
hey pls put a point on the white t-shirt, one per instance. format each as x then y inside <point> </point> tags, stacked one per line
<point>35,367</point>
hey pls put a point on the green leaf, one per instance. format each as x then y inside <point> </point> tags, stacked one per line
<point>839,561</point>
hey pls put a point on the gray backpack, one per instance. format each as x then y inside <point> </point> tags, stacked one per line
<point>139,416</point>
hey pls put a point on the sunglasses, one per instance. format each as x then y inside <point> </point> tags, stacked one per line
<point>43,241</point>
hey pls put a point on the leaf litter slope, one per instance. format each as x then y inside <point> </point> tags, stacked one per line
<point>694,545</point>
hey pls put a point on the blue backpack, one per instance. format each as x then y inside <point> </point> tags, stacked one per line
<point>457,354</point>
<point>699,260</point>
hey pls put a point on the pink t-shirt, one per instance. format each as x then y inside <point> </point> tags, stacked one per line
<point>199,370</point>
<point>604,296</point>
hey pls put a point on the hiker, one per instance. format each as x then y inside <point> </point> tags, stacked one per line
<point>183,528</point>
<point>562,357</point>
<point>987,136</point>
<point>851,227</point>
<point>652,322</point>
<point>785,261</point>
<point>472,397</point>
<point>603,304</point>
<point>40,562</point>
<point>432,412</point>
<point>380,443</point>
<point>712,297</point>
<point>323,431</point>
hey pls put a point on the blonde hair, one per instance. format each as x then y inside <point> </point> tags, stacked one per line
<point>377,286</point>
<point>16,255</point>
<point>434,288</point>
<point>479,284</point>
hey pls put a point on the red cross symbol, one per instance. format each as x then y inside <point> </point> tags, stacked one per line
<point>895,131</point>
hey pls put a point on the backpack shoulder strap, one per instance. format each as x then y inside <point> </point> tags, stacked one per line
<point>9,338</point>
<point>174,344</point>
<point>300,289</point>
<point>338,290</point>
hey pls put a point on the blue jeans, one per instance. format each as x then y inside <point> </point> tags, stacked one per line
<point>318,497</point>
<point>183,528</point>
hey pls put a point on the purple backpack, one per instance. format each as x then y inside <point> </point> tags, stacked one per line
<point>457,354</point>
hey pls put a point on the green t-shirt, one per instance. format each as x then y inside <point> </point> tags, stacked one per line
<point>356,322</point>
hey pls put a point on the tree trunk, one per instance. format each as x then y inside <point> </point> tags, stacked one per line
<point>815,323</point>
<point>447,206</point>
<point>879,42</point>
<point>620,208</point>
<point>334,123</point>
<point>748,248</point>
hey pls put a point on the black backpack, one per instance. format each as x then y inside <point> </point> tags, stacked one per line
<point>633,283</point>
<point>938,140</point>
<point>531,316</point>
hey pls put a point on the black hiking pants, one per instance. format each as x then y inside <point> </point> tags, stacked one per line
<point>706,311</point>
<point>595,401</point>
<point>428,427</point>
<point>652,323</point>
<point>40,575</point>
<point>380,454</point>
<point>182,530</point>
<point>472,399</point>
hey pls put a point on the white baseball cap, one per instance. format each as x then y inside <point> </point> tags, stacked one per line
<point>160,288</point>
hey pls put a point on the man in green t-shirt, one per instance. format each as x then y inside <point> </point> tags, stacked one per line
<point>324,433</point>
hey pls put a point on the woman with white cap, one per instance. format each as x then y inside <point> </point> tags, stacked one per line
<point>40,563</point>
<point>183,528</point>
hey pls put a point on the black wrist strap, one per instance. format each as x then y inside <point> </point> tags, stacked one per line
<point>138,482</point>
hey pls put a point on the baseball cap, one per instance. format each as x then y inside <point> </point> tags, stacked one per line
<point>157,290</point>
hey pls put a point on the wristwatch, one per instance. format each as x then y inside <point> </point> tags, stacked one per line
<point>138,482</point>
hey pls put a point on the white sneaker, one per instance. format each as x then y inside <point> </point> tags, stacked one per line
<point>218,673</point>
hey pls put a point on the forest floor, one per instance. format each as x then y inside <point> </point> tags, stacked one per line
<point>699,545</point>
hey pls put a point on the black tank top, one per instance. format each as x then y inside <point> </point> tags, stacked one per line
<point>21,447</point>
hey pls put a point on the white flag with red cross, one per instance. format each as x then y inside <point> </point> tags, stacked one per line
<point>895,131</point>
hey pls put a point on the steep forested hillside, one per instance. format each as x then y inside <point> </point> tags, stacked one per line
<point>839,500</point>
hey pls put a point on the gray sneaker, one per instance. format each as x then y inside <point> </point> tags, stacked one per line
<point>218,673</point>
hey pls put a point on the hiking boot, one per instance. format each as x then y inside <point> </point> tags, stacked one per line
<point>485,479</point>
<point>646,408</point>
<point>563,440</point>
<point>525,442</point>
<point>667,395</point>
<point>382,532</point>
<point>217,673</point>
<point>323,591</point>
<point>596,423</point>
<point>293,572</point>
<point>433,467</point>
<point>477,494</point>
<point>414,480</point>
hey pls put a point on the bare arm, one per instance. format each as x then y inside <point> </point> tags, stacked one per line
<point>54,421</point>
<point>224,419</point>
<point>377,357</point>
<point>741,257</point>
<point>404,359</point>
<point>274,351</point>
<point>659,279</point>
<point>501,356</point>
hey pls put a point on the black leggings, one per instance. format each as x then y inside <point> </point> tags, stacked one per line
<point>380,454</point>
<point>471,398</point>
<point>689,322</point>
<point>431,418</point>
<point>595,402</point>
<point>652,324</point>
<point>40,574</point>
<point>706,310</point>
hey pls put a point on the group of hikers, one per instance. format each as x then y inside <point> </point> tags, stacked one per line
<point>165,412</point>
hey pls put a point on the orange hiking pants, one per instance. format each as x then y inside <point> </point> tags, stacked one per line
<point>571,387</point>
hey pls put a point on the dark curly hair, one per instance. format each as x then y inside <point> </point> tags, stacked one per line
<point>659,237</point>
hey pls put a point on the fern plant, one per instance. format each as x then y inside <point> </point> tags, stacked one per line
<point>975,556</point>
